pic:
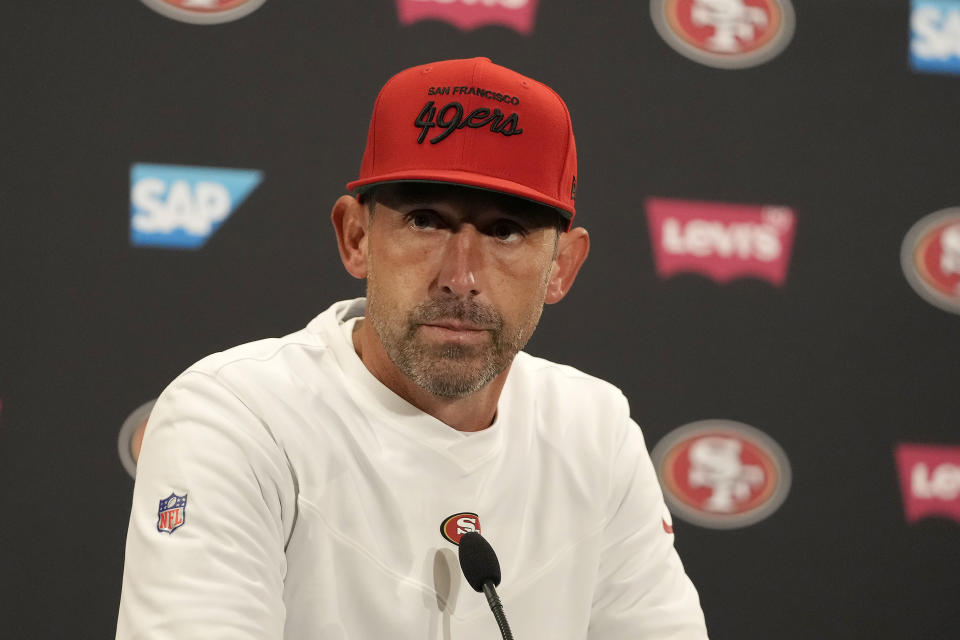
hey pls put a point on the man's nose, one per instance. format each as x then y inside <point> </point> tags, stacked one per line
<point>461,262</point>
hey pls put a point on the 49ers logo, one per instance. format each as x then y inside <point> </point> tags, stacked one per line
<point>451,117</point>
<point>204,11</point>
<point>728,34</point>
<point>930,256</point>
<point>721,474</point>
<point>458,524</point>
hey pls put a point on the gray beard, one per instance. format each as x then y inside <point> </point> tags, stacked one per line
<point>448,371</point>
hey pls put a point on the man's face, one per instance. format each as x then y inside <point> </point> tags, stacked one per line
<point>456,283</point>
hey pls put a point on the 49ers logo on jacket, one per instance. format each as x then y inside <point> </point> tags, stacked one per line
<point>729,34</point>
<point>458,524</point>
<point>721,474</point>
<point>470,14</point>
<point>204,11</point>
<point>172,513</point>
<point>930,257</point>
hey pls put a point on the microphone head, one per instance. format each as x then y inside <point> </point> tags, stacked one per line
<point>478,561</point>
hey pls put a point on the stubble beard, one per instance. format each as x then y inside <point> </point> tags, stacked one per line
<point>448,370</point>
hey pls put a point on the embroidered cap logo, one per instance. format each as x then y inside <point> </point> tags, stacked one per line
<point>450,117</point>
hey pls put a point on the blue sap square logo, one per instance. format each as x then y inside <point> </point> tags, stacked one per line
<point>178,207</point>
<point>935,36</point>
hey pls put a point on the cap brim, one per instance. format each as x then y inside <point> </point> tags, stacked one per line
<point>466,179</point>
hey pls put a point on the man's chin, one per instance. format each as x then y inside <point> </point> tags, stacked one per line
<point>447,378</point>
<point>453,353</point>
<point>450,388</point>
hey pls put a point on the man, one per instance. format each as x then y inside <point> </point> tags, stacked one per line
<point>316,486</point>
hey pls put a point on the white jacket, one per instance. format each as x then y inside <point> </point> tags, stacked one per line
<point>315,496</point>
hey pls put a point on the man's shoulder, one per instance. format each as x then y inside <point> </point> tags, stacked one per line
<point>258,354</point>
<point>558,373</point>
<point>564,383</point>
<point>577,413</point>
<point>294,349</point>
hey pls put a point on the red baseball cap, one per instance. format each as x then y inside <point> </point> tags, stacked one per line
<point>472,123</point>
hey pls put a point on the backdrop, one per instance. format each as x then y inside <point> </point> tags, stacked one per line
<point>750,173</point>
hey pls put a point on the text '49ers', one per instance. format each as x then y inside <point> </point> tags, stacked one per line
<point>450,117</point>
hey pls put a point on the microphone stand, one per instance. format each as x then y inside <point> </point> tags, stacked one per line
<point>497,607</point>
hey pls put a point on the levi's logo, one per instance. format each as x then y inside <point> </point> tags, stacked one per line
<point>929,480</point>
<point>721,241</point>
<point>470,14</point>
<point>451,117</point>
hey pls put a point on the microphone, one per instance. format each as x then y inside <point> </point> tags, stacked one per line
<point>482,570</point>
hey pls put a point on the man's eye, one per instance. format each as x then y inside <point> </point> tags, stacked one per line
<point>506,230</point>
<point>422,220</point>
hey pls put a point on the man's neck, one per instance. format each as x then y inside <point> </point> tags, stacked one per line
<point>474,412</point>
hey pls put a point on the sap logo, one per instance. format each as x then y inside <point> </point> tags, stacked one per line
<point>179,207</point>
<point>935,36</point>
<point>929,480</point>
<point>518,15</point>
<point>721,241</point>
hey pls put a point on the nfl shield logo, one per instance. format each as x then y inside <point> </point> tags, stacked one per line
<point>172,513</point>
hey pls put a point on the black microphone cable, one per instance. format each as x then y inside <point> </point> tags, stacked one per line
<point>482,570</point>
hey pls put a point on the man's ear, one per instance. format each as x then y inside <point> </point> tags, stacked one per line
<point>572,249</point>
<point>350,218</point>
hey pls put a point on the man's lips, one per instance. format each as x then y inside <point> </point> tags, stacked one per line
<point>455,331</point>
<point>455,325</point>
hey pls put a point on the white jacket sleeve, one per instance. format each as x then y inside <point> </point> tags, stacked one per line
<point>642,590</point>
<point>219,573</point>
